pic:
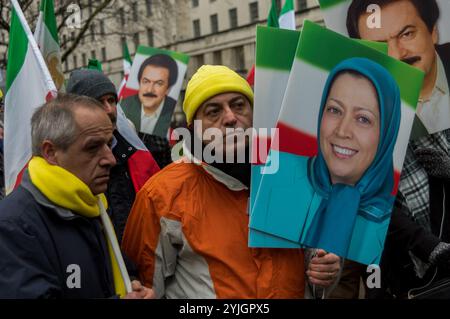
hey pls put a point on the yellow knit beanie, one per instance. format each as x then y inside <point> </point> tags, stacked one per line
<point>209,81</point>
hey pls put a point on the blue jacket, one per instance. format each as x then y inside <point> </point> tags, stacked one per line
<point>38,243</point>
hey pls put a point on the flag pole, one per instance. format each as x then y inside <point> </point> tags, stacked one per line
<point>32,42</point>
<point>115,246</point>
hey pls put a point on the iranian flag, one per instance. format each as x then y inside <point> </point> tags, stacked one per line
<point>286,20</point>
<point>28,85</point>
<point>127,62</point>
<point>46,35</point>
<point>141,164</point>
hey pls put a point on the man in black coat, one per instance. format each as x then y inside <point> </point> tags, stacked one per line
<point>53,242</point>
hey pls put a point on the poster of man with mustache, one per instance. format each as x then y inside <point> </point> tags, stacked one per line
<point>153,88</point>
<point>417,32</point>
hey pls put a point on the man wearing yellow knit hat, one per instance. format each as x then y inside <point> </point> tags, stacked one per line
<point>188,229</point>
<point>56,240</point>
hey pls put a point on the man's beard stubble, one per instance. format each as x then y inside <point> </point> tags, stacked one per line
<point>240,171</point>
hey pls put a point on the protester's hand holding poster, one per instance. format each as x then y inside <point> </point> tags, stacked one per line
<point>344,127</point>
<point>418,33</point>
<point>152,89</point>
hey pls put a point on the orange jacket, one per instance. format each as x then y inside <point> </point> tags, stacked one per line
<point>188,234</point>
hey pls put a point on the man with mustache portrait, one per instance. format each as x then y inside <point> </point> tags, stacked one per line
<point>417,249</point>
<point>151,109</point>
<point>409,27</point>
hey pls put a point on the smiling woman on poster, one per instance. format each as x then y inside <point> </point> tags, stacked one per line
<point>353,171</point>
<point>341,199</point>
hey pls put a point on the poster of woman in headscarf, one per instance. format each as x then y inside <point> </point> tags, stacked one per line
<point>343,131</point>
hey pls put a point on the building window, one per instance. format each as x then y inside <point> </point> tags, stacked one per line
<point>102,27</point>
<point>194,3</point>
<point>302,4</point>
<point>134,7</point>
<point>92,32</point>
<point>84,59</point>
<point>122,16</point>
<point>217,58</point>
<point>199,60</point>
<point>196,24</point>
<point>239,58</point>
<point>149,7</point>
<point>75,62</point>
<point>214,23</point>
<point>150,37</point>
<point>233,18</point>
<point>254,13</point>
<point>93,55</point>
<point>136,40</point>
<point>104,54</point>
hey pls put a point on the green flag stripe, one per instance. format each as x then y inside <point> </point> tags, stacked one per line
<point>17,50</point>
<point>183,58</point>
<point>327,4</point>
<point>275,48</point>
<point>126,53</point>
<point>272,19</point>
<point>408,78</point>
<point>48,11</point>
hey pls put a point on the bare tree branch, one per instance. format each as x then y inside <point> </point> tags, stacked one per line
<point>84,29</point>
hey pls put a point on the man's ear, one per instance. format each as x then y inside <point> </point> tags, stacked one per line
<point>435,35</point>
<point>49,152</point>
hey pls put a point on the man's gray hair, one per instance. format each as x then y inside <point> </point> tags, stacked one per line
<point>55,121</point>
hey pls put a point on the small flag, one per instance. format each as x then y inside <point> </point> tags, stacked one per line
<point>46,35</point>
<point>126,68</point>
<point>286,20</point>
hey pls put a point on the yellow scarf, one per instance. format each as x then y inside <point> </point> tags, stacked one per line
<point>66,190</point>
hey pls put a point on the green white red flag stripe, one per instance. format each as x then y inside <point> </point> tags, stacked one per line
<point>28,85</point>
<point>127,62</point>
